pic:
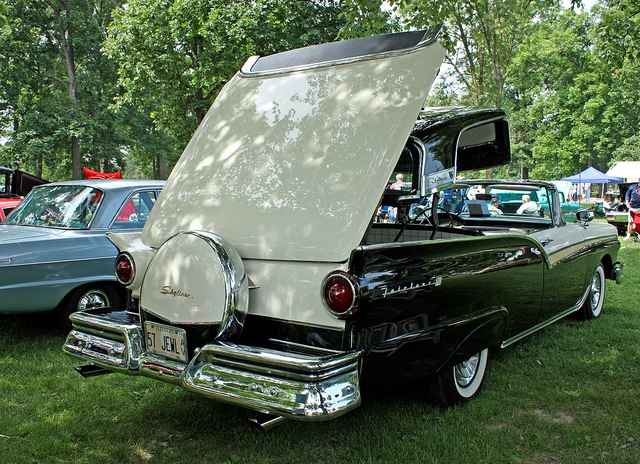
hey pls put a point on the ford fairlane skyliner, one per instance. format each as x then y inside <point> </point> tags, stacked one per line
<point>266,278</point>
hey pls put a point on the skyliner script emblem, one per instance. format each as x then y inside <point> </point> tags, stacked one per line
<point>167,290</point>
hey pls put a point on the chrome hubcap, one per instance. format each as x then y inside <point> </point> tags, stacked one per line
<point>595,292</point>
<point>93,299</point>
<point>466,370</point>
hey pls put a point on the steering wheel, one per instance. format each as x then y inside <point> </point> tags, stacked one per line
<point>452,219</point>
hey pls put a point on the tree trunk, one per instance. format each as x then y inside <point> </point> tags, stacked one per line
<point>39,163</point>
<point>162,168</point>
<point>65,38</point>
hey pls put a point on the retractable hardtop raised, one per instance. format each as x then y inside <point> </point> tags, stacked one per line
<point>265,277</point>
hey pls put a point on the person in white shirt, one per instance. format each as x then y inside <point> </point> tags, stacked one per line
<point>399,183</point>
<point>528,206</point>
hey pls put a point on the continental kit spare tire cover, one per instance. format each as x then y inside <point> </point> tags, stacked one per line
<point>197,278</point>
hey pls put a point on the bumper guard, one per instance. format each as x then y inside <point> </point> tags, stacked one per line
<point>309,384</point>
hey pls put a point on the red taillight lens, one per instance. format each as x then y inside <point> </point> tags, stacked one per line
<point>341,294</point>
<point>125,270</point>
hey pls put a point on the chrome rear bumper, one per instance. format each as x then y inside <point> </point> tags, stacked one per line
<point>316,384</point>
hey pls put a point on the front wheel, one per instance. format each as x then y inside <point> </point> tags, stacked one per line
<point>458,384</point>
<point>592,307</point>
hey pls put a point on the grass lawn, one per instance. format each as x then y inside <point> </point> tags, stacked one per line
<point>568,394</point>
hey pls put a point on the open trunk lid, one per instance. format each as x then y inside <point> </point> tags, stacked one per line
<point>293,157</point>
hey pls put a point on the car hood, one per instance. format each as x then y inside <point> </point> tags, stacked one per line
<point>291,164</point>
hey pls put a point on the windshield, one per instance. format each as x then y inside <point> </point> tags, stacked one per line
<point>508,200</point>
<point>61,206</point>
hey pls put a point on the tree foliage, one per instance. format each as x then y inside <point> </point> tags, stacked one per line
<point>575,92</point>
<point>568,80</point>
<point>480,37</point>
<point>57,86</point>
<point>111,85</point>
<point>176,55</point>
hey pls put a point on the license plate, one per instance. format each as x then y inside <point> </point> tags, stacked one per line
<point>167,341</point>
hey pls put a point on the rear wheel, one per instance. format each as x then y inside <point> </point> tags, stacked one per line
<point>458,384</point>
<point>592,307</point>
<point>89,297</point>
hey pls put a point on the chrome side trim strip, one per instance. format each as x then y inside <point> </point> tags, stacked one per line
<point>11,260</point>
<point>550,321</point>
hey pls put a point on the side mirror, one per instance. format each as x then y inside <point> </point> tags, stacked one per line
<point>584,215</point>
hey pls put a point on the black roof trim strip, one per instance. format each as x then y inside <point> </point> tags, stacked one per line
<point>344,50</point>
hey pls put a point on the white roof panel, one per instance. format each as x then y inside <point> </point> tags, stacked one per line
<point>292,165</point>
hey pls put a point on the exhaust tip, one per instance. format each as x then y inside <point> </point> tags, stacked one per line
<point>266,421</point>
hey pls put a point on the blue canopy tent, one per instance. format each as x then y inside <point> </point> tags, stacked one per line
<point>592,176</point>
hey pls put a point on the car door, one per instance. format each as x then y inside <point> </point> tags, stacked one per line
<point>564,274</point>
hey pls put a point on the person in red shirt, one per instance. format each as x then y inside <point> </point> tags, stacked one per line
<point>633,203</point>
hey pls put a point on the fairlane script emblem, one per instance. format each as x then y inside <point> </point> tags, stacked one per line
<point>167,290</point>
<point>386,291</point>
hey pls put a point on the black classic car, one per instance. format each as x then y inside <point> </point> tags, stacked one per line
<point>14,185</point>
<point>278,288</point>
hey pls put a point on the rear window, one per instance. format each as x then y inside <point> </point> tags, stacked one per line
<point>135,210</point>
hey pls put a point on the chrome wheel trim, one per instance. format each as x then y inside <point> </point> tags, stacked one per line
<point>595,294</point>
<point>94,298</point>
<point>466,370</point>
<point>469,374</point>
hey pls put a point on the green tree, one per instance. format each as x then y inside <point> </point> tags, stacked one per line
<point>58,85</point>
<point>629,150</point>
<point>174,56</point>
<point>617,47</point>
<point>480,37</point>
<point>575,93</point>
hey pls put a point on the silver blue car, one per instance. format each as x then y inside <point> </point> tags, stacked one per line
<point>54,252</point>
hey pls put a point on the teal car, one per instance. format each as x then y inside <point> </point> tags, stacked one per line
<point>54,250</point>
<point>510,193</point>
<point>569,210</point>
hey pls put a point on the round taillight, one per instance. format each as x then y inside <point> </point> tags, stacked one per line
<point>341,294</point>
<point>125,269</point>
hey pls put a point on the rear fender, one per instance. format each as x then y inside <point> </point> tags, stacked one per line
<point>131,243</point>
<point>489,333</point>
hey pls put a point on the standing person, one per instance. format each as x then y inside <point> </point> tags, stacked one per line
<point>587,192</point>
<point>392,214</point>
<point>633,203</point>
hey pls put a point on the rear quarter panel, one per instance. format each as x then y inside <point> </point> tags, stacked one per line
<point>37,275</point>
<point>429,304</point>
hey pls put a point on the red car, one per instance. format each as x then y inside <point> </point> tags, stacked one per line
<point>14,185</point>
